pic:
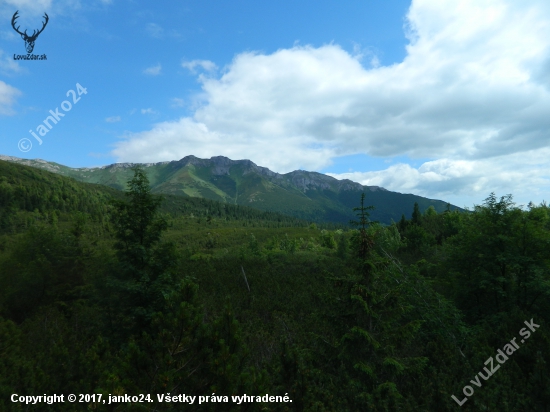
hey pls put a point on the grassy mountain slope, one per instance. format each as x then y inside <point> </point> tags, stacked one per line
<point>26,191</point>
<point>306,195</point>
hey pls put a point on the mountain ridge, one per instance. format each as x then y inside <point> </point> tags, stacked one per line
<point>303,194</point>
<point>221,163</point>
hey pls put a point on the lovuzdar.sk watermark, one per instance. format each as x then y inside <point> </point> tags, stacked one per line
<point>501,358</point>
<point>29,39</point>
<point>30,57</point>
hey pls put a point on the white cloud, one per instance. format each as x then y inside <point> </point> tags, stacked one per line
<point>148,111</point>
<point>8,65</point>
<point>31,11</point>
<point>153,71</point>
<point>33,6</point>
<point>164,142</point>
<point>177,102</point>
<point>204,64</point>
<point>464,182</point>
<point>473,93</point>
<point>8,94</point>
<point>154,30</point>
<point>113,119</point>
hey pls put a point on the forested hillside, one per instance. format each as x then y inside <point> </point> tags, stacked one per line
<point>28,194</point>
<point>111,293</point>
<point>304,195</point>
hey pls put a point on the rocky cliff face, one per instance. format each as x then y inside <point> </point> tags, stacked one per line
<point>39,163</point>
<point>301,179</point>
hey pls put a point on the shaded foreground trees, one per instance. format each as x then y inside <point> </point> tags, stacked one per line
<point>165,347</point>
<point>139,330</point>
<point>376,318</point>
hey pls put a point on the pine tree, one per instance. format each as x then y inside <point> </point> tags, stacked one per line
<point>374,351</point>
<point>416,215</point>
<point>362,241</point>
<point>343,247</point>
<point>145,264</point>
<point>403,224</point>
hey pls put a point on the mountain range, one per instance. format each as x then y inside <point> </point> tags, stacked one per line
<point>306,195</point>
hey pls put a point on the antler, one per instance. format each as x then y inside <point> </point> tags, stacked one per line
<point>35,33</point>
<point>43,26</point>
<point>15,16</point>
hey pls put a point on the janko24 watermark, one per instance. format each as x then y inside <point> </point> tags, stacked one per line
<point>501,358</point>
<point>29,40</point>
<point>42,129</point>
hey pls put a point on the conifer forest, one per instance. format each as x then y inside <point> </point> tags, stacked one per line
<point>138,302</point>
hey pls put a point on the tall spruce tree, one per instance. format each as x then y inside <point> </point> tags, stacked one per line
<point>416,215</point>
<point>374,353</point>
<point>143,275</point>
<point>402,225</point>
<point>165,344</point>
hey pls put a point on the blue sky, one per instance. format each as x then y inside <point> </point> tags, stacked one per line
<point>447,100</point>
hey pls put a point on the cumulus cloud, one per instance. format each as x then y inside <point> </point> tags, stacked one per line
<point>526,175</point>
<point>113,119</point>
<point>148,111</point>
<point>164,142</point>
<point>206,65</point>
<point>472,94</point>
<point>153,71</point>
<point>8,94</point>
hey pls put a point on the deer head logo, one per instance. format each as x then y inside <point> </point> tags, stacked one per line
<point>29,40</point>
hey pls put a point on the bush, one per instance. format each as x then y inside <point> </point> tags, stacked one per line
<point>327,239</point>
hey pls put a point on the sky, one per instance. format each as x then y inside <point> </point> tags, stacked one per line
<point>444,99</point>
